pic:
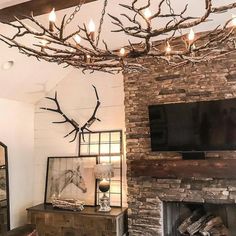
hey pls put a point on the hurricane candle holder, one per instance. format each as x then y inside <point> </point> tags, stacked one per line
<point>104,172</point>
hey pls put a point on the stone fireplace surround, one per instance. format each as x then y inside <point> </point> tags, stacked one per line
<point>209,81</point>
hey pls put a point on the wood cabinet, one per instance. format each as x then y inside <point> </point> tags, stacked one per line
<point>89,222</point>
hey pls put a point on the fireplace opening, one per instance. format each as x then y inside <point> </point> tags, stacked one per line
<point>184,219</point>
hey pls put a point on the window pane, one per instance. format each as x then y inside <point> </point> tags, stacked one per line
<point>115,187</point>
<point>116,174</point>
<point>115,199</point>
<point>84,149</point>
<point>115,148</point>
<point>115,137</point>
<point>94,149</point>
<point>94,138</point>
<point>105,137</point>
<point>104,159</point>
<point>105,148</point>
<point>86,139</point>
<point>115,160</point>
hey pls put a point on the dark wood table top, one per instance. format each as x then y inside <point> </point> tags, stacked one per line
<point>115,211</point>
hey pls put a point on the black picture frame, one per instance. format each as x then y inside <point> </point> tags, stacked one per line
<point>5,166</point>
<point>66,169</point>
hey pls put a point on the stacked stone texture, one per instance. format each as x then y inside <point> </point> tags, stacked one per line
<point>160,84</point>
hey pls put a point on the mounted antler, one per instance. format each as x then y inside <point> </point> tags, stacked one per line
<point>76,127</point>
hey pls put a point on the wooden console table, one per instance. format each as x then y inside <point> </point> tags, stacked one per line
<point>89,222</point>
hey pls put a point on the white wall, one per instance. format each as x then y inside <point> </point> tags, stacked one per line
<point>77,99</point>
<point>17,132</point>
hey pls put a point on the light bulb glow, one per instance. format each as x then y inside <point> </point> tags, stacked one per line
<point>52,16</point>
<point>91,26</point>
<point>233,20</point>
<point>122,52</point>
<point>147,13</point>
<point>7,65</point>
<point>168,48</point>
<point>88,58</point>
<point>44,42</point>
<point>191,35</point>
<point>77,39</point>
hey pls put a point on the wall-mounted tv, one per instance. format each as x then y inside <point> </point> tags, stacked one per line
<point>196,126</point>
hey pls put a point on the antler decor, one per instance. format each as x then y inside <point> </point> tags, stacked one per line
<point>53,45</point>
<point>76,127</point>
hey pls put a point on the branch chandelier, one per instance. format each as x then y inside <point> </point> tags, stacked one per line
<point>82,48</point>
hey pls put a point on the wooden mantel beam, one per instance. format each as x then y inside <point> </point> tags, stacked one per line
<point>165,169</point>
<point>38,7</point>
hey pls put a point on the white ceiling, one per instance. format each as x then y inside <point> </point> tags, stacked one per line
<point>29,80</point>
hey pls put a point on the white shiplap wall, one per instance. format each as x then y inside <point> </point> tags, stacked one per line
<point>17,132</point>
<point>77,99</point>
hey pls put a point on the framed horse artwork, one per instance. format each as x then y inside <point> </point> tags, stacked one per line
<point>71,178</point>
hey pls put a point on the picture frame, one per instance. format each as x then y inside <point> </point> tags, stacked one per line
<point>71,178</point>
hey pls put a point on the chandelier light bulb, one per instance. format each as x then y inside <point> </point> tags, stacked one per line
<point>168,48</point>
<point>234,20</point>
<point>91,26</point>
<point>52,19</point>
<point>44,42</point>
<point>72,50</point>
<point>191,35</point>
<point>122,52</point>
<point>52,16</point>
<point>88,58</point>
<point>147,13</point>
<point>77,39</point>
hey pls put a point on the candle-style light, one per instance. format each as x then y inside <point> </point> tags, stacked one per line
<point>52,19</point>
<point>168,47</point>
<point>191,35</point>
<point>147,13</point>
<point>122,52</point>
<point>88,58</point>
<point>91,28</point>
<point>44,43</point>
<point>77,39</point>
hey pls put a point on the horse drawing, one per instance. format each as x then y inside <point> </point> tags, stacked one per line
<point>66,178</point>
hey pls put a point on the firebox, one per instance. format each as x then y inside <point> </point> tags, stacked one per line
<point>183,219</point>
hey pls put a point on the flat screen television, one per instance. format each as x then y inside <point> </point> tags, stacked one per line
<point>196,126</point>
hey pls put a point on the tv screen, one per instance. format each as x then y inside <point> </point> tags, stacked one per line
<point>198,126</point>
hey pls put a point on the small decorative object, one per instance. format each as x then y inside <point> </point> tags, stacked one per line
<point>76,127</point>
<point>71,178</point>
<point>104,172</point>
<point>68,204</point>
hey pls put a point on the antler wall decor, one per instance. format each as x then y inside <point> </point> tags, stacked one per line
<point>53,45</point>
<point>76,127</point>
